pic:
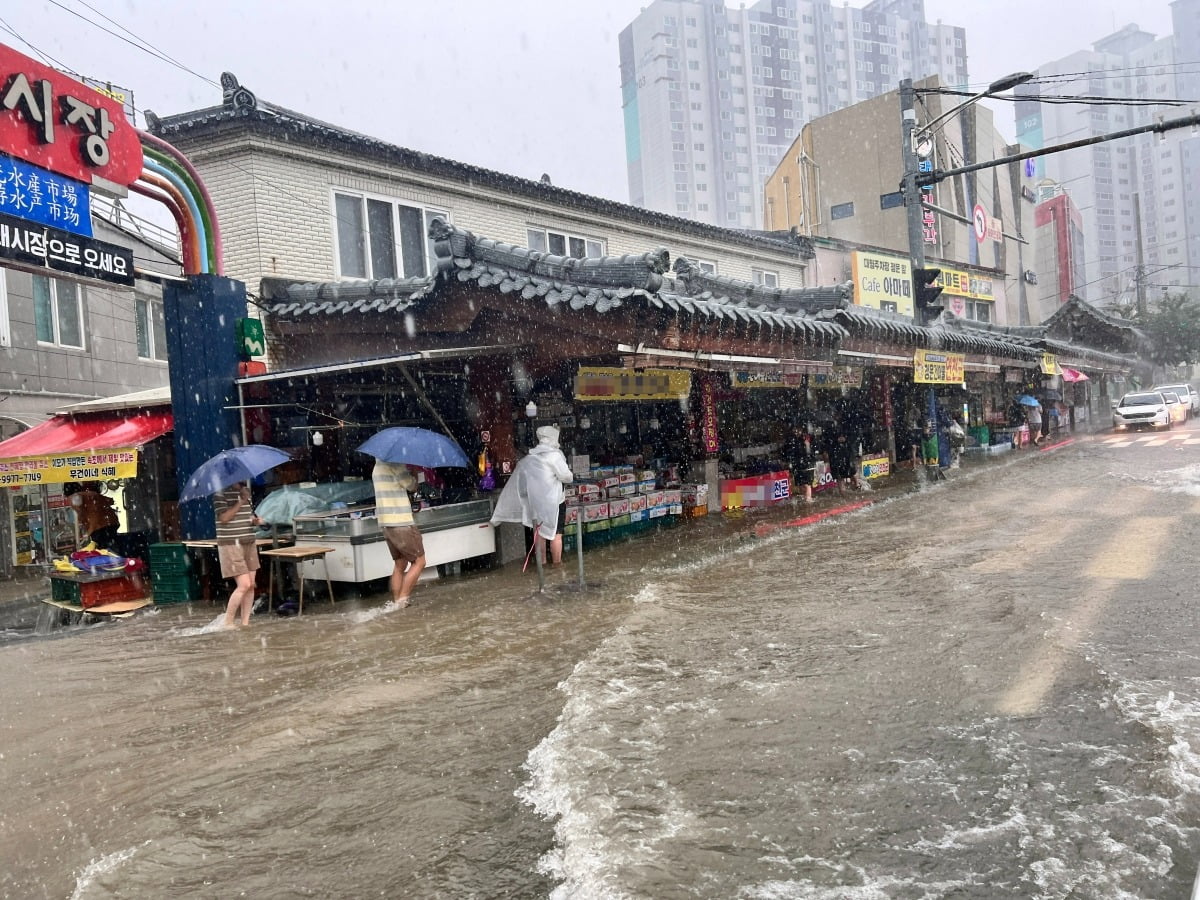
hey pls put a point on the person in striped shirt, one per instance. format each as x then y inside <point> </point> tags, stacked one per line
<point>392,483</point>
<point>236,548</point>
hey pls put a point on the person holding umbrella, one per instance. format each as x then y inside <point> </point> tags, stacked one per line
<point>392,483</point>
<point>236,548</point>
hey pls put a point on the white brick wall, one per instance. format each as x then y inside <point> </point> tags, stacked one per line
<point>274,205</point>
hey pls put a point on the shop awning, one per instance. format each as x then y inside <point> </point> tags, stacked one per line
<point>81,448</point>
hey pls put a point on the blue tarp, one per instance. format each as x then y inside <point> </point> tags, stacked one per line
<point>281,506</point>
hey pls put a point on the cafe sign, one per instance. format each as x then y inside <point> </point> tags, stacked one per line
<point>58,468</point>
<point>600,383</point>
<point>882,282</point>
<point>55,122</point>
<point>931,367</point>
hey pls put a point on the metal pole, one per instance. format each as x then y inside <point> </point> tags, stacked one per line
<point>579,548</point>
<point>1140,271</point>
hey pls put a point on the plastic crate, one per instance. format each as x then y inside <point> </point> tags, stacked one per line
<point>170,558</point>
<point>88,593</point>
<point>185,584</point>
<point>163,598</point>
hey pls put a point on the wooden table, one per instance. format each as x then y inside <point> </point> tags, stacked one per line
<point>207,545</point>
<point>296,556</point>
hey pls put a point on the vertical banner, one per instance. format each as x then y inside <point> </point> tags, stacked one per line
<point>708,416</point>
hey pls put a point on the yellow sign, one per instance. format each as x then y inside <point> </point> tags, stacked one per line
<point>1050,364</point>
<point>596,383</point>
<point>882,282</point>
<point>57,468</point>
<point>938,368</point>
<point>964,284</point>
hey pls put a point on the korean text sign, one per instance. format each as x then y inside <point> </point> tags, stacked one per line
<point>28,192</point>
<point>882,282</point>
<point>938,368</point>
<point>57,468</point>
<point>60,251</point>
<point>53,121</point>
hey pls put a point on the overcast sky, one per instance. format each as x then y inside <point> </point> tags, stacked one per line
<point>522,86</point>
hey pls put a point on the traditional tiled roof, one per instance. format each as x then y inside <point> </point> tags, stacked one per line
<point>286,298</point>
<point>240,107</point>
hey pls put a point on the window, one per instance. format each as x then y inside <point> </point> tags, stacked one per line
<point>561,244</point>
<point>58,312</point>
<point>367,243</point>
<point>764,278</point>
<point>707,266</point>
<point>151,330</point>
<point>5,328</point>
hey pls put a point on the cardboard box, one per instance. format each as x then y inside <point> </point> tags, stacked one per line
<point>692,512</point>
<point>656,512</point>
<point>570,491</point>
<point>610,482</point>
<point>695,494</point>
<point>672,496</point>
<point>647,475</point>
<point>618,521</point>
<point>625,470</point>
<point>639,515</point>
<point>625,490</point>
<point>627,478</point>
<point>572,513</point>
<point>594,512</point>
<point>618,507</point>
<point>655,498</point>
<point>638,503</point>
<point>646,486</point>
<point>589,492</point>
<point>599,473</point>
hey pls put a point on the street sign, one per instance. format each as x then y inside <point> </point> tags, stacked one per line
<point>28,192</point>
<point>979,221</point>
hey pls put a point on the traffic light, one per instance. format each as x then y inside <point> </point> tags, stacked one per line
<point>925,294</point>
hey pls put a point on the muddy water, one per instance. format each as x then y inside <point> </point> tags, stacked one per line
<point>990,688</point>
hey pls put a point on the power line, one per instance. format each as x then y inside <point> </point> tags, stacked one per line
<point>46,57</point>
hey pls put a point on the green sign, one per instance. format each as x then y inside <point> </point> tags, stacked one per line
<point>251,339</point>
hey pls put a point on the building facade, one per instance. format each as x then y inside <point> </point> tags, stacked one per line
<point>713,96</point>
<point>1133,190</point>
<point>1058,237</point>
<point>840,179</point>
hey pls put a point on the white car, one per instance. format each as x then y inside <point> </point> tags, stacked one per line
<point>1143,409</point>
<point>1176,406</point>
<point>1186,393</point>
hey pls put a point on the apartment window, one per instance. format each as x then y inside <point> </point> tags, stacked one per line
<point>707,266</point>
<point>58,312</point>
<point>151,328</point>
<point>764,277</point>
<point>379,238</point>
<point>690,22</point>
<point>679,147</point>
<point>693,43</point>
<point>841,211</point>
<point>693,65</point>
<point>693,85</point>
<point>698,147</point>
<point>561,243</point>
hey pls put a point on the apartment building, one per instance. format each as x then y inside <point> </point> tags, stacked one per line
<point>713,96</point>
<point>1135,188</point>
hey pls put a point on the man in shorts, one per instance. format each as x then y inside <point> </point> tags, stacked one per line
<point>392,483</point>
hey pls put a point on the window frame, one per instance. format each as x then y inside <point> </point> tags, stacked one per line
<point>567,237</point>
<point>428,213</point>
<point>764,277</point>
<point>152,332</point>
<point>55,324</point>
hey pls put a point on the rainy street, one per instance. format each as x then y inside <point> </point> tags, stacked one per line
<point>985,688</point>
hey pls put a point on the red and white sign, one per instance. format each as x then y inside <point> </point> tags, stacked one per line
<point>979,221</point>
<point>51,120</point>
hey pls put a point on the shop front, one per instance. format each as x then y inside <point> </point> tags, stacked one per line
<point>124,453</point>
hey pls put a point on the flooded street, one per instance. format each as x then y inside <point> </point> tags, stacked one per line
<point>989,688</point>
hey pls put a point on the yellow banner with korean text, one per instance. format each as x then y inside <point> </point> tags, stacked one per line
<point>1050,364</point>
<point>882,282</point>
<point>931,367</point>
<point>600,383</point>
<point>58,468</point>
<point>965,284</point>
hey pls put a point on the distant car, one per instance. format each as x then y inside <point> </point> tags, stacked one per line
<point>1176,406</point>
<point>1144,409</point>
<point>1187,394</point>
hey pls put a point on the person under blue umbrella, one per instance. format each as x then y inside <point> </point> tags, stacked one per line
<point>393,481</point>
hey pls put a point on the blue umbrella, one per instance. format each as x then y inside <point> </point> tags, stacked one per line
<point>1026,400</point>
<point>230,467</point>
<point>415,446</point>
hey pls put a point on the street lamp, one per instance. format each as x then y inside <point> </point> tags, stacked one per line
<point>996,87</point>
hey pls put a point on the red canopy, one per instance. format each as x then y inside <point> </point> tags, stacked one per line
<point>94,431</point>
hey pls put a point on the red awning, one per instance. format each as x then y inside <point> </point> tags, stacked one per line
<point>1068,374</point>
<point>81,433</point>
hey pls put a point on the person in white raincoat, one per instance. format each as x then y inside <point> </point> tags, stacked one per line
<point>534,493</point>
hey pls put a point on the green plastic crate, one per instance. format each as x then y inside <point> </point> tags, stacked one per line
<point>170,558</point>
<point>169,583</point>
<point>162,598</point>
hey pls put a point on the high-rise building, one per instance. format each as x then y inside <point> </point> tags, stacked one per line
<point>1058,242</point>
<point>1133,189</point>
<point>713,96</point>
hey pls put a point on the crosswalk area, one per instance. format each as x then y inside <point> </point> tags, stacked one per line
<point>1155,439</point>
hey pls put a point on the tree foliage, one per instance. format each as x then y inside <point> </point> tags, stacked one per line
<point>1172,324</point>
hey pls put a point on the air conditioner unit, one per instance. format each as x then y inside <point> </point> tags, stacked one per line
<point>1030,276</point>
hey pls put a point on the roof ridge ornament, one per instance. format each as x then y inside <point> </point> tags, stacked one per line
<point>234,95</point>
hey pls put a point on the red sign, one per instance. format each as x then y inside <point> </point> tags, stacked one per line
<point>52,121</point>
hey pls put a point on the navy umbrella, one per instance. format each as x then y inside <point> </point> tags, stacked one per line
<point>230,467</point>
<point>415,446</point>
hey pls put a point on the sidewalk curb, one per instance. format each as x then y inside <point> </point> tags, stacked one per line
<point>762,529</point>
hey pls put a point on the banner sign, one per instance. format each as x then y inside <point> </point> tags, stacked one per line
<point>598,383</point>
<point>57,468</point>
<point>746,380</point>
<point>55,122</point>
<point>28,192</point>
<point>882,282</point>
<point>875,466</point>
<point>964,284</point>
<point>1050,364</point>
<point>938,368</point>
<point>837,377</point>
<point>60,251</point>
<point>708,417</point>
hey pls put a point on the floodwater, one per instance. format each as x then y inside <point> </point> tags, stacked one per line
<point>989,688</point>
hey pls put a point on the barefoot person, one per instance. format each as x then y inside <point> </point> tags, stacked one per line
<point>392,482</point>
<point>236,548</point>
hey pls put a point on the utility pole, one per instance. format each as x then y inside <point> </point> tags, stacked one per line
<point>1140,271</point>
